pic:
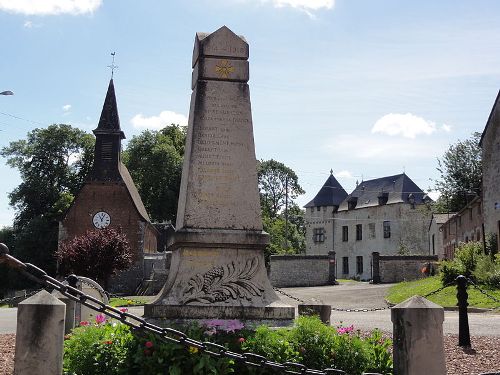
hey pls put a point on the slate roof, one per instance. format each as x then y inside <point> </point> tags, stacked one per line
<point>134,193</point>
<point>331,194</point>
<point>496,106</point>
<point>396,189</point>
<point>441,218</point>
<point>109,122</point>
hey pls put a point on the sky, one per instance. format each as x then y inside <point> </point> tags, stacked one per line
<point>361,87</point>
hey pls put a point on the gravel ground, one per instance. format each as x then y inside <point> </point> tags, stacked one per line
<point>484,357</point>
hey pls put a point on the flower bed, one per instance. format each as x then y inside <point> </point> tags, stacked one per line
<point>110,348</point>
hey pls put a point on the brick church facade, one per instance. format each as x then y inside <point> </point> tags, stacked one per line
<point>110,198</point>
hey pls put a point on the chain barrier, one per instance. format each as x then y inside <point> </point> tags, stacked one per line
<point>482,291</point>
<point>169,335</point>
<point>452,283</point>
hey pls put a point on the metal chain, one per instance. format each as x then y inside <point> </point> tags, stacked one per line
<point>439,289</point>
<point>169,335</point>
<point>482,291</point>
<point>334,308</point>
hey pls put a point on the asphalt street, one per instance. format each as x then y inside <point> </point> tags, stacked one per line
<point>349,295</point>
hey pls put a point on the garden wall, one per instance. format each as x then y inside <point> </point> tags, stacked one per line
<point>301,270</point>
<point>396,268</point>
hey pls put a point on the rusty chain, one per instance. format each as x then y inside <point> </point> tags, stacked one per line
<point>169,335</point>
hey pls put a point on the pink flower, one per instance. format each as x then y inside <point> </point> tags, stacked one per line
<point>148,344</point>
<point>123,310</point>
<point>109,342</point>
<point>100,318</point>
<point>241,340</point>
<point>84,323</point>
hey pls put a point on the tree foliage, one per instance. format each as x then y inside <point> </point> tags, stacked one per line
<point>274,178</point>
<point>154,159</point>
<point>53,162</point>
<point>461,173</point>
<point>97,254</point>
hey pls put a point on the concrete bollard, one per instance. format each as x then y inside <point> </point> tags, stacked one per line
<point>40,335</point>
<point>69,321</point>
<point>418,337</point>
<point>322,311</point>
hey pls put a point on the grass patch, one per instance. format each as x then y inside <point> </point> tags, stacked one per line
<point>446,298</point>
<point>124,302</point>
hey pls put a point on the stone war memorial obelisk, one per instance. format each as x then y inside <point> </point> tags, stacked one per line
<point>217,268</point>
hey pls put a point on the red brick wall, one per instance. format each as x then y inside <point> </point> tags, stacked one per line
<point>113,198</point>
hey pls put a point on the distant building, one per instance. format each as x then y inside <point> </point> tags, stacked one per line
<point>385,215</point>
<point>319,217</point>
<point>436,246</point>
<point>490,143</point>
<point>464,226</point>
<point>110,198</point>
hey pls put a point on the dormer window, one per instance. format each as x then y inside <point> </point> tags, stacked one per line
<point>351,203</point>
<point>411,200</point>
<point>383,198</point>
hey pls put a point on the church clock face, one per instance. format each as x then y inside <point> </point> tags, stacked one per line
<point>101,220</point>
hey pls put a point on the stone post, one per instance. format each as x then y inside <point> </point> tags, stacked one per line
<point>70,311</point>
<point>418,337</point>
<point>332,277</point>
<point>376,268</point>
<point>39,335</point>
<point>322,311</point>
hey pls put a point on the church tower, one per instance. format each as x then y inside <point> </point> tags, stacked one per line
<point>109,198</point>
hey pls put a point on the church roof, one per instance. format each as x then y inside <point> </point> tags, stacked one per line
<point>392,189</point>
<point>134,193</point>
<point>496,107</point>
<point>331,194</point>
<point>109,122</point>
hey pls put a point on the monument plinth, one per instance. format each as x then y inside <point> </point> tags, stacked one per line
<point>217,268</point>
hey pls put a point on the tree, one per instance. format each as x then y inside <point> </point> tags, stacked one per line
<point>53,164</point>
<point>154,159</point>
<point>97,254</point>
<point>274,179</point>
<point>461,174</point>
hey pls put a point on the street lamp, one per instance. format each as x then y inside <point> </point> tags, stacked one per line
<point>6,93</point>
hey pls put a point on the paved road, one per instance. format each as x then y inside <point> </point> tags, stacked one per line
<point>347,295</point>
<point>363,295</point>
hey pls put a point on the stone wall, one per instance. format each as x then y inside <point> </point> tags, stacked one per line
<point>393,269</point>
<point>299,270</point>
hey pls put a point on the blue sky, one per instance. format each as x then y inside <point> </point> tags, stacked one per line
<point>366,88</point>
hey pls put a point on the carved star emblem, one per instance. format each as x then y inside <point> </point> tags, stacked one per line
<point>224,69</point>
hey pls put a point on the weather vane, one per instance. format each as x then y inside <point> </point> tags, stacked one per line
<point>113,66</point>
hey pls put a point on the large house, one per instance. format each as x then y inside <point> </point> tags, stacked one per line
<point>490,143</point>
<point>387,215</point>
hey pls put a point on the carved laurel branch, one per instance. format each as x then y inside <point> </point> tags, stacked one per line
<point>221,283</point>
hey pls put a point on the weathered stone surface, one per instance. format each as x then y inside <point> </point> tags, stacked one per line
<point>220,43</point>
<point>219,177</point>
<point>39,335</point>
<point>418,337</point>
<point>299,270</point>
<point>217,267</point>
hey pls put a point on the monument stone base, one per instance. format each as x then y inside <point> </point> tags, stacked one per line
<point>218,274</point>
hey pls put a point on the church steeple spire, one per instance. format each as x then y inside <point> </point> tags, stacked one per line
<point>108,140</point>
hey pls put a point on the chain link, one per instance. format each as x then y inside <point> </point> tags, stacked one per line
<point>165,334</point>
<point>482,291</point>
<point>440,289</point>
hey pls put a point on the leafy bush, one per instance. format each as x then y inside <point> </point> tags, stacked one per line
<point>466,257</point>
<point>111,348</point>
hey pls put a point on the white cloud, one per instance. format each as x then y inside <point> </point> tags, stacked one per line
<point>344,174</point>
<point>304,4</point>
<point>49,7</point>
<point>158,122</point>
<point>434,194</point>
<point>407,125</point>
<point>66,107</point>
<point>446,128</point>
<point>28,24</point>
<point>377,149</point>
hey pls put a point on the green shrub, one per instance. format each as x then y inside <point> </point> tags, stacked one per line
<point>111,348</point>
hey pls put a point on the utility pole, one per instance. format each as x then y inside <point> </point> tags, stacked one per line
<point>286,212</point>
